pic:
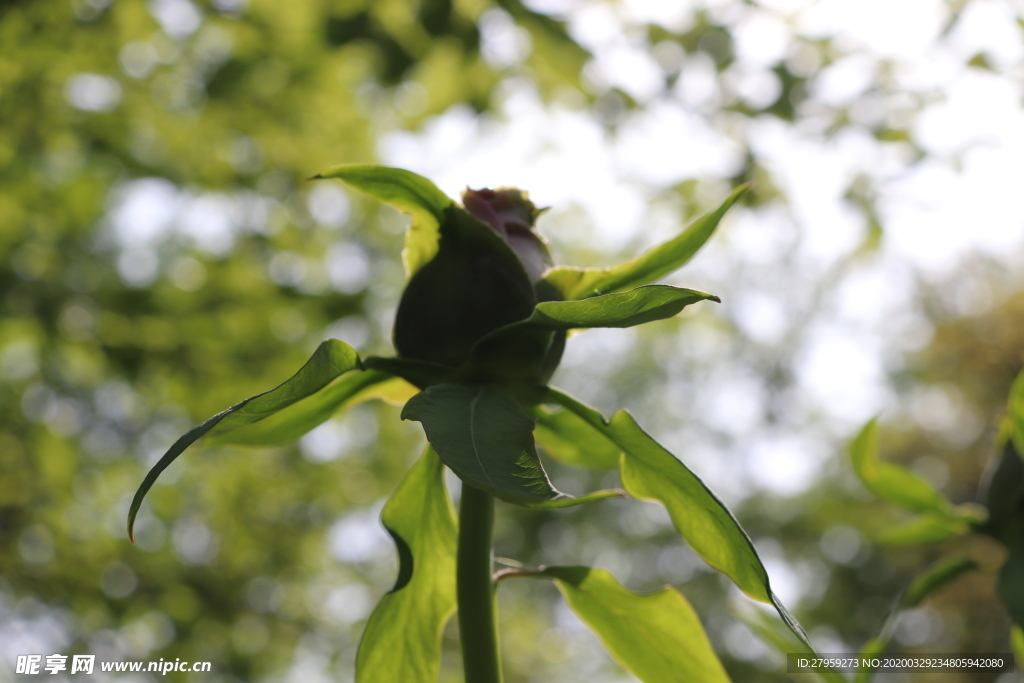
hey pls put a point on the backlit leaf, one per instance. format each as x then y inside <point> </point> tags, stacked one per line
<point>567,437</point>
<point>625,309</point>
<point>580,283</point>
<point>922,529</point>
<point>655,636</point>
<point>650,472</point>
<point>332,359</point>
<point>937,577</point>
<point>409,193</point>
<point>402,640</point>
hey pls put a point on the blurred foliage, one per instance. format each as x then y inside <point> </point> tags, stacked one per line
<point>162,259</point>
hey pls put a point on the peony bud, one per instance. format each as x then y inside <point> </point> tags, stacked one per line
<point>510,213</point>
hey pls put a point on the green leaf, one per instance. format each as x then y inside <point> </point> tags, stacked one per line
<point>580,283</point>
<point>1010,585</point>
<point>408,192</point>
<point>1017,642</point>
<point>650,472</point>
<point>894,483</point>
<point>871,649</point>
<point>1015,412</point>
<point>331,359</point>
<point>299,418</point>
<point>924,528</point>
<point>570,502</point>
<point>482,434</point>
<point>937,577</point>
<point>776,633</point>
<point>657,637</point>
<point>402,639</point>
<point>1003,492</point>
<point>625,309</point>
<point>567,437</point>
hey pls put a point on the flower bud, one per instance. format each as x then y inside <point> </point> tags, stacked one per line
<point>511,214</point>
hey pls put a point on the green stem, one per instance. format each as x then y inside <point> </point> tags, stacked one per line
<point>478,623</point>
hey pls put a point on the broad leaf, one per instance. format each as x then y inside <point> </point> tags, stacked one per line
<point>937,577</point>
<point>650,472</point>
<point>921,529</point>
<point>1010,586</point>
<point>408,192</point>
<point>299,418</point>
<point>402,639</point>
<point>894,483</point>
<point>484,436</point>
<point>567,437</point>
<point>580,283</point>
<point>657,637</point>
<point>331,359</point>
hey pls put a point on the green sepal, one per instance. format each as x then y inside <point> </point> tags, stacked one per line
<point>650,472</point>
<point>331,359</point>
<point>655,636</point>
<point>409,193</point>
<point>580,283</point>
<point>420,518</point>
<point>482,434</point>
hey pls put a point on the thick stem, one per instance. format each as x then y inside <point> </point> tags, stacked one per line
<point>478,624</point>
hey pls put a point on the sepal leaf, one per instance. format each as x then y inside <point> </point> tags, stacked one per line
<point>420,518</point>
<point>655,636</point>
<point>624,309</point>
<point>408,192</point>
<point>331,359</point>
<point>580,283</point>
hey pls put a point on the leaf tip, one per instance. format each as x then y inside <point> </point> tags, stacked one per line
<point>318,176</point>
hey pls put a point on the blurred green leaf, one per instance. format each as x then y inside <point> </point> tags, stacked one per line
<point>1003,493</point>
<point>872,648</point>
<point>1017,642</point>
<point>657,636</point>
<point>408,192</point>
<point>482,434</point>
<point>1010,585</point>
<point>1015,411</point>
<point>580,283</point>
<point>301,417</point>
<point>777,634</point>
<point>894,483</point>
<point>330,360</point>
<point>567,437</point>
<point>921,529</point>
<point>650,472</point>
<point>402,640</point>
<point>937,577</point>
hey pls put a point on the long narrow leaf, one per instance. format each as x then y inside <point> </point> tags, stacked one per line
<point>1015,412</point>
<point>624,309</point>
<point>657,637</point>
<point>650,472</point>
<point>300,418</point>
<point>580,283</point>
<point>402,640</point>
<point>332,359</point>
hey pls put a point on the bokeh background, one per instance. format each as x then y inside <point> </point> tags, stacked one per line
<point>162,258</point>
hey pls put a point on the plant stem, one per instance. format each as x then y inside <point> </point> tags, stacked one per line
<point>478,624</point>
